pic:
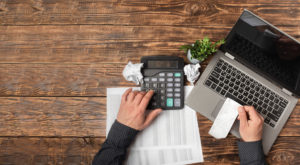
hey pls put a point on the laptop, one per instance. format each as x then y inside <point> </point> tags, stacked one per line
<point>259,65</point>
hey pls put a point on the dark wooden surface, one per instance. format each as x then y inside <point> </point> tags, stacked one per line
<point>57,57</point>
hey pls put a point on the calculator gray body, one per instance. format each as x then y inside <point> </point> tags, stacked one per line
<point>164,75</point>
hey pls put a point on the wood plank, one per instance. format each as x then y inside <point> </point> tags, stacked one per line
<point>93,43</point>
<point>78,116</point>
<point>133,12</point>
<point>53,116</point>
<point>35,150</point>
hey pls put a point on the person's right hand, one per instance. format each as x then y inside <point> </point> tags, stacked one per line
<point>132,112</point>
<point>251,124</point>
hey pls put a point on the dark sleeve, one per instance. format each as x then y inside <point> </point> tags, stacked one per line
<point>113,150</point>
<point>251,153</point>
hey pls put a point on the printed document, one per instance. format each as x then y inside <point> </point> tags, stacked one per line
<point>172,138</point>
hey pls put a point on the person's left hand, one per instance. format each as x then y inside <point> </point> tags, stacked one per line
<point>132,112</point>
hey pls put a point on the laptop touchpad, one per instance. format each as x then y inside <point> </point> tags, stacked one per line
<point>215,112</point>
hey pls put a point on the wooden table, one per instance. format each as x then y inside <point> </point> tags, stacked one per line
<point>57,57</point>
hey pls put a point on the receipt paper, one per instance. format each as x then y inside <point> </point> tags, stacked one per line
<point>225,119</point>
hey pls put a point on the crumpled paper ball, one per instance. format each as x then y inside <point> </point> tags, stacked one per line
<point>192,72</point>
<point>132,72</point>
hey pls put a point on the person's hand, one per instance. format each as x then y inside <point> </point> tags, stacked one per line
<point>251,124</point>
<point>132,112</point>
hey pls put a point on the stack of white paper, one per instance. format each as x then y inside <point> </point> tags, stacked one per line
<point>173,137</point>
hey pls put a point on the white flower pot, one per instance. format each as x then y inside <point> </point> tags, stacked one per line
<point>192,60</point>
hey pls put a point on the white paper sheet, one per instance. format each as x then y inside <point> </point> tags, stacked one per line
<point>225,119</point>
<point>173,137</point>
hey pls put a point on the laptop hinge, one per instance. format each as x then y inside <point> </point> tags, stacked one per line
<point>229,55</point>
<point>287,92</point>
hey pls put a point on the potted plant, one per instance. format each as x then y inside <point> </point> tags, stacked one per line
<point>201,49</point>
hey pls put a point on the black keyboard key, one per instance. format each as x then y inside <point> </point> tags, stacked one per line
<point>221,84</point>
<point>250,96</point>
<point>272,125</point>
<point>264,106</point>
<point>271,97</point>
<point>269,109</point>
<point>218,70</point>
<point>213,86</point>
<point>222,78</point>
<point>278,112</point>
<point>255,99</point>
<point>282,104</point>
<point>215,74</point>
<point>236,87</point>
<point>226,87</point>
<point>273,117</point>
<point>267,120</point>
<point>218,89</point>
<point>213,79</point>
<point>245,99</point>
<point>264,112</point>
<point>208,82</point>
<point>240,96</point>
<point>223,92</point>
<point>276,100</point>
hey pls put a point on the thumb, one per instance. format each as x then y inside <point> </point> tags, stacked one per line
<point>151,116</point>
<point>243,117</point>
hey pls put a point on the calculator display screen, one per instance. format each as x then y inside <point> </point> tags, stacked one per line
<point>162,64</point>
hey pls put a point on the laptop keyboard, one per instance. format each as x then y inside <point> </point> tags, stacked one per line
<point>230,82</point>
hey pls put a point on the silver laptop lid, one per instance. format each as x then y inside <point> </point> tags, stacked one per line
<point>265,49</point>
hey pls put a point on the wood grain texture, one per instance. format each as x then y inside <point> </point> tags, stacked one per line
<point>53,116</point>
<point>135,12</point>
<point>35,150</point>
<point>57,57</point>
<point>95,43</point>
<point>77,117</point>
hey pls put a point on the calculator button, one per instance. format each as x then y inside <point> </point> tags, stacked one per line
<point>162,85</point>
<point>162,91</point>
<point>169,89</point>
<point>170,74</point>
<point>146,79</point>
<point>147,85</point>
<point>177,89</point>
<point>162,97</point>
<point>161,79</point>
<point>169,94</point>
<point>177,79</point>
<point>177,74</point>
<point>177,102</point>
<point>170,79</point>
<point>153,79</point>
<point>154,85</point>
<point>169,84</point>
<point>162,74</point>
<point>169,102</point>
<point>177,84</point>
<point>177,94</point>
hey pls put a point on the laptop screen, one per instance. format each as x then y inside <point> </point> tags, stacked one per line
<point>265,49</point>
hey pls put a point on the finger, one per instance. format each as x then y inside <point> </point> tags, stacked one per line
<point>125,94</point>
<point>139,96</point>
<point>243,117</point>
<point>146,99</point>
<point>131,96</point>
<point>253,115</point>
<point>151,116</point>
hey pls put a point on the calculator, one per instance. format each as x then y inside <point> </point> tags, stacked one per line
<point>164,75</point>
